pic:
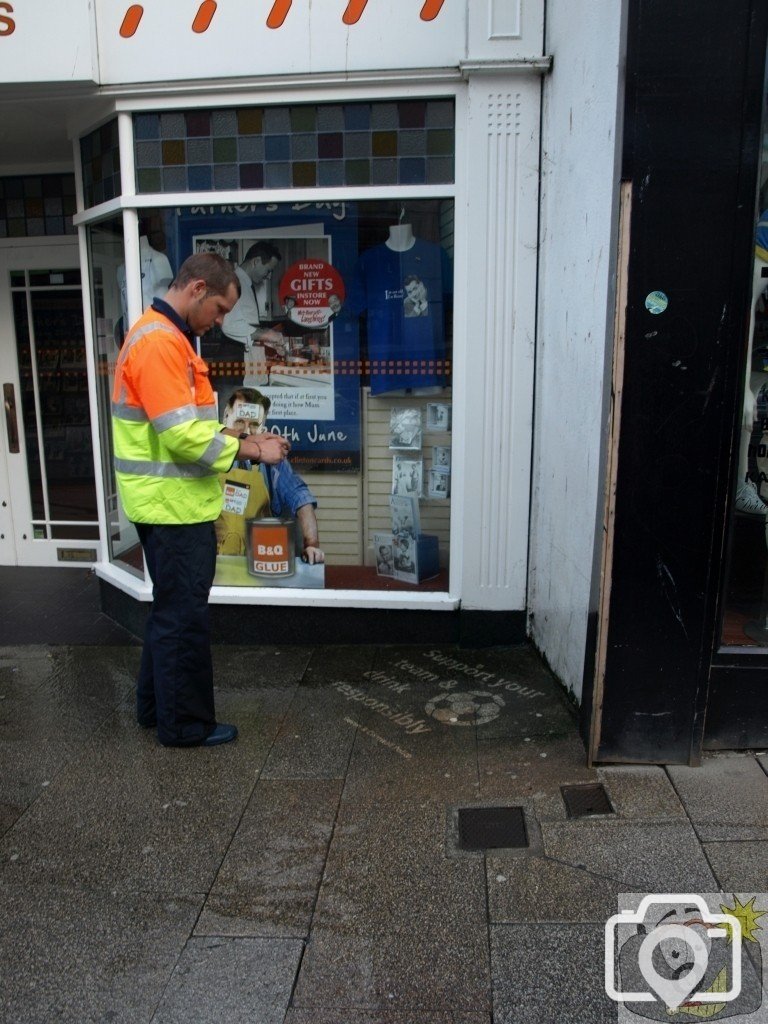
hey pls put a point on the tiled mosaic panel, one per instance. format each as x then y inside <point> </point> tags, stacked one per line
<point>407,143</point>
<point>100,153</point>
<point>37,204</point>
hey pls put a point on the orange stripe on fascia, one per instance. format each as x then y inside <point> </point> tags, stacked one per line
<point>131,20</point>
<point>205,13</point>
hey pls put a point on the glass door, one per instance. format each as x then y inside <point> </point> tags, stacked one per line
<point>744,615</point>
<point>737,699</point>
<point>48,449</point>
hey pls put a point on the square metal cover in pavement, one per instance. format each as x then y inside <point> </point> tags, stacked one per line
<point>492,828</point>
<point>588,799</point>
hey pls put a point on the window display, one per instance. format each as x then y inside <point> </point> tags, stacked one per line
<point>340,342</point>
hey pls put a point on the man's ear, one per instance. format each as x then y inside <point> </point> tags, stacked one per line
<point>199,288</point>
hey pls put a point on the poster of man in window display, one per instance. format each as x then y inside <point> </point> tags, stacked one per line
<point>292,335</point>
<point>279,327</point>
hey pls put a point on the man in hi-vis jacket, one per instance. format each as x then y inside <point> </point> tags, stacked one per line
<point>169,451</point>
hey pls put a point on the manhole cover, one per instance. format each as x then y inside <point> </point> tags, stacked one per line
<point>492,828</point>
<point>583,800</point>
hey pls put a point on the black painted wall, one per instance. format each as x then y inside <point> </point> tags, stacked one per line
<point>691,149</point>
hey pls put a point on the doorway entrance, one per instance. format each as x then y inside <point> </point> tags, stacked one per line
<point>49,512</point>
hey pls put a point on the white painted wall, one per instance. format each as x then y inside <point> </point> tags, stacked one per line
<point>579,197</point>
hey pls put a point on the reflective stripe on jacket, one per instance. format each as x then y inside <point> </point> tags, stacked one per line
<point>165,430</point>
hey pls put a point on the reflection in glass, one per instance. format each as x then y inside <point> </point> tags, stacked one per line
<point>745,617</point>
<point>55,412</point>
<point>107,264</point>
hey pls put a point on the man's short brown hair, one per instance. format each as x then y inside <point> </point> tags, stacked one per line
<point>218,273</point>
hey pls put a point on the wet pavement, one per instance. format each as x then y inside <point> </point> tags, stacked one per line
<point>310,873</point>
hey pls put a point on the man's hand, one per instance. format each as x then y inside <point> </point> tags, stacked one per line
<point>267,448</point>
<point>312,555</point>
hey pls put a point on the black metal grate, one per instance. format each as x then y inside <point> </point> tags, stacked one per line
<point>492,828</point>
<point>583,800</point>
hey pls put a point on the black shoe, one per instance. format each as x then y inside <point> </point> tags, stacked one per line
<point>150,723</point>
<point>221,734</point>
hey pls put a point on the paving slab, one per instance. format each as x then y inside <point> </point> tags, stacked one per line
<point>344,1016</point>
<point>131,815</point>
<point>9,815</point>
<point>314,741</point>
<point>533,769</point>
<point>515,696</point>
<point>55,606</point>
<point>653,857</point>
<point>78,681</point>
<point>269,880</point>
<point>23,669</point>
<point>406,719</point>
<point>642,793</point>
<point>79,957</point>
<point>534,890</point>
<point>51,704</point>
<point>247,668</point>
<point>725,798</point>
<point>549,973</point>
<point>237,981</point>
<point>329,664</point>
<point>398,925</point>
<point>740,866</point>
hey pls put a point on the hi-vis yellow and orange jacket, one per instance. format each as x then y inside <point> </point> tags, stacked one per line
<point>165,429</point>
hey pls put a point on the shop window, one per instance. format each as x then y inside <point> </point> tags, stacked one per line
<point>34,205</point>
<point>341,342</point>
<point>100,161</point>
<point>381,143</point>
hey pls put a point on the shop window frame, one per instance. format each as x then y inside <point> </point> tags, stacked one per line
<point>130,204</point>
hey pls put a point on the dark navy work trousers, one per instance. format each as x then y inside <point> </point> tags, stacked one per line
<point>175,686</point>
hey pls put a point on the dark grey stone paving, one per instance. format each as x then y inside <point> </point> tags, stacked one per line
<point>513,696</point>
<point>398,925</point>
<point>533,769</point>
<point>268,882</point>
<point>250,668</point>
<point>52,700</point>
<point>643,858</point>
<point>308,873</point>
<point>329,664</point>
<point>740,866</point>
<point>382,1017</point>
<point>87,957</point>
<point>231,981</point>
<point>726,798</point>
<point>534,890</point>
<point>314,741</point>
<point>639,793</point>
<point>548,974</point>
<point>55,606</point>
<point>132,815</point>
